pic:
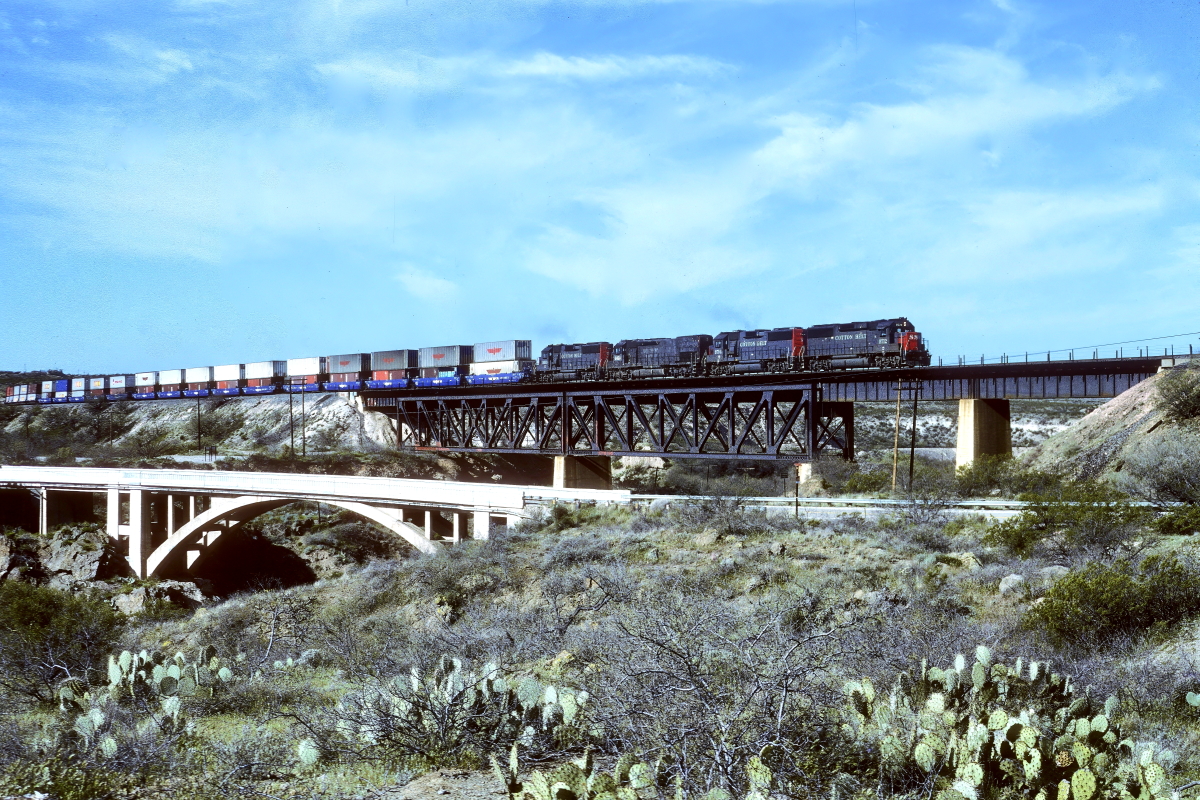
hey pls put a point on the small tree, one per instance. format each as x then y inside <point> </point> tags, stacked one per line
<point>1178,396</point>
<point>47,636</point>
<point>1079,518</point>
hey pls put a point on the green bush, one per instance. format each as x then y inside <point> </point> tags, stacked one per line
<point>1104,601</point>
<point>1082,517</point>
<point>1004,475</point>
<point>47,636</point>
<point>1179,522</point>
<point>1178,396</point>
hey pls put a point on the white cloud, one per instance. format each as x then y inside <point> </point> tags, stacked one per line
<point>550,65</point>
<point>426,286</point>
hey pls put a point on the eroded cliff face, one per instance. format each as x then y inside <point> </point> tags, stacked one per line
<point>268,424</point>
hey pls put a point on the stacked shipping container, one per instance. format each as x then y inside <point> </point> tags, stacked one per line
<point>391,369</point>
<point>346,372</point>
<point>262,377</point>
<point>304,374</point>
<point>227,378</point>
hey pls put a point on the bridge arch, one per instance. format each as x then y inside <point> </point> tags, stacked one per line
<point>204,530</point>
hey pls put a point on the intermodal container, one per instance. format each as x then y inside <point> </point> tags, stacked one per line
<point>48,387</point>
<point>96,386</point>
<point>348,363</point>
<point>448,356</point>
<point>507,350</point>
<point>62,386</point>
<point>170,377</point>
<point>305,367</point>
<point>393,364</point>
<point>194,375</point>
<point>446,372</point>
<point>228,372</point>
<point>500,367</point>
<point>78,395</point>
<point>79,384</point>
<point>260,370</point>
<point>197,380</point>
<point>145,380</point>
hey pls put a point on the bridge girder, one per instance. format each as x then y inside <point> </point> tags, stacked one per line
<point>757,422</point>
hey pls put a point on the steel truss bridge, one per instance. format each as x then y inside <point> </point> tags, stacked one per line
<point>758,416</point>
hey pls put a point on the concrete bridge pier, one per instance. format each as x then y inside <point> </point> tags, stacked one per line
<point>582,472</point>
<point>984,429</point>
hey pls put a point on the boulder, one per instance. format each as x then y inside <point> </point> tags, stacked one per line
<point>776,548</point>
<point>707,538</point>
<point>1011,584</point>
<point>1052,573</point>
<point>178,593</point>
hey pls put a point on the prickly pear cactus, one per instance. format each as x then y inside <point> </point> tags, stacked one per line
<point>990,729</point>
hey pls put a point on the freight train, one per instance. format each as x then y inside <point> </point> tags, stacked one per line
<point>879,344</point>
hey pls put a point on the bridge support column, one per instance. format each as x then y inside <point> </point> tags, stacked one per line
<point>139,533</point>
<point>43,511</point>
<point>984,429</point>
<point>582,472</point>
<point>482,525</point>
<point>456,535</point>
<point>113,514</point>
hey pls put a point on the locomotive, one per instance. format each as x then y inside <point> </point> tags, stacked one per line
<point>877,344</point>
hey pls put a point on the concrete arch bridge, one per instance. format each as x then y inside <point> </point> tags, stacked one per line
<point>171,521</point>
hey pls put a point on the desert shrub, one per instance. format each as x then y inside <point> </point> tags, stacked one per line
<point>1179,522</point>
<point>573,551</point>
<point>706,685</point>
<point>868,481</point>
<point>1079,518</point>
<point>1178,394</point>
<point>1002,475</point>
<point>1102,601</point>
<point>358,541</point>
<point>1164,469</point>
<point>47,636</point>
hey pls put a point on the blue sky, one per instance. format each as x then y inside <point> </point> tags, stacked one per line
<point>193,182</point>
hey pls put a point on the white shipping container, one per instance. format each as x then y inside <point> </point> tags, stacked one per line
<point>47,387</point>
<point>96,383</point>
<point>507,350</point>
<point>498,367</point>
<point>120,382</point>
<point>146,378</point>
<point>79,393</point>
<point>78,384</point>
<point>229,372</point>
<point>263,369</point>
<point>170,377</point>
<point>304,366</point>
<point>62,394</point>
<point>197,375</point>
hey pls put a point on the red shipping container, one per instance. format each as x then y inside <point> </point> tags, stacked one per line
<point>234,384</point>
<point>257,382</point>
<point>390,375</point>
<point>170,387</point>
<point>343,377</point>
<point>194,386</point>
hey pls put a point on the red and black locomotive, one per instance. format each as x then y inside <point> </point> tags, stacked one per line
<point>878,344</point>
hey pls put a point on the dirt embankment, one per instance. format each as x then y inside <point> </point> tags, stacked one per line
<point>1095,446</point>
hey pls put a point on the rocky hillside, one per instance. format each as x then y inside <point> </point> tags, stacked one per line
<point>268,424</point>
<point>1096,446</point>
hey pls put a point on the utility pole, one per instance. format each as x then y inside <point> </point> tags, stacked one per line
<point>303,426</point>
<point>198,441</point>
<point>292,422</point>
<point>896,442</point>
<point>912,445</point>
